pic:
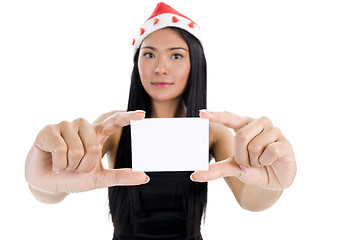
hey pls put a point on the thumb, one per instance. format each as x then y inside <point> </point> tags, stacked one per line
<point>225,168</point>
<point>116,121</point>
<point>120,177</point>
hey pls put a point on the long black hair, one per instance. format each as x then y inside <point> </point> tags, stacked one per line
<point>124,200</point>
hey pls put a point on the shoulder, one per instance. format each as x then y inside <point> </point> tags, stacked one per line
<point>221,139</point>
<point>219,131</point>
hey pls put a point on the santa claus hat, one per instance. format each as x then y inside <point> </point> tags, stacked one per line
<point>165,16</point>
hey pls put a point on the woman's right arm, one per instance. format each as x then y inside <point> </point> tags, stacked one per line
<point>66,158</point>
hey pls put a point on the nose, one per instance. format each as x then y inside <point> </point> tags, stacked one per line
<point>162,66</point>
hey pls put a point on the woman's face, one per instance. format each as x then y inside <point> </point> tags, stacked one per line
<point>164,64</point>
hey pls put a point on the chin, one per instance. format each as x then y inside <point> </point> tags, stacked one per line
<point>163,97</point>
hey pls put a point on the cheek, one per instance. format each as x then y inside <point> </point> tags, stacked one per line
<point>184,74</point>
<point>143,71</point>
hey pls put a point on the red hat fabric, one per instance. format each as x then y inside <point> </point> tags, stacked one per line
<point>165,16</point>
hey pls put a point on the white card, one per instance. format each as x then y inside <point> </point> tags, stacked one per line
<point>170,144</point>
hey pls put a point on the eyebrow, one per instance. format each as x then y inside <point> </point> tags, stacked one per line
<point>177,48</point>
<point>170,49</point>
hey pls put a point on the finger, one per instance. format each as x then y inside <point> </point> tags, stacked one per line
<point>228,119</point>
<point>120,177</point>
<point>244,136</point>
<point>259,143</point>
<point>75,149</point>
<point>217,170</point>
<point>71,182</point>
<point>49,140</point>
<point>274,152</point>
<point>92,148</point>
<point>116,121</point>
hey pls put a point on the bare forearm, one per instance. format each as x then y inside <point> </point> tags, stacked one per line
<point>46,197</point>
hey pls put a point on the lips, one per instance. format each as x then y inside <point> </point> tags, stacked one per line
<point>161,84</point>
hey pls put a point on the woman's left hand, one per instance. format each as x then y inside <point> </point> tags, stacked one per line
<point>262,155</point>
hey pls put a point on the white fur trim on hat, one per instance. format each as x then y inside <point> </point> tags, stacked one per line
<point>171,18</point>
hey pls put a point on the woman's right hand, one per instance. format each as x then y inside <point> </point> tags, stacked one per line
<point>66,157</point>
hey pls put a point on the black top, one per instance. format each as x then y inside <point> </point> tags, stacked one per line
<point>159,209</point>
<point>161,214</point>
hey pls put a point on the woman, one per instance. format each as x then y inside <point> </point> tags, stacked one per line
<point>168,80</point>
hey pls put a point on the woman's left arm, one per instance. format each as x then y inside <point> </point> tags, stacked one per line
<point>257,163</point>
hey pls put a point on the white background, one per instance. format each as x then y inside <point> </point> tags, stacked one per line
<point>297,62</point>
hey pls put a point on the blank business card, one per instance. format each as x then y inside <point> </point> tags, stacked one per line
<point>170,144</point>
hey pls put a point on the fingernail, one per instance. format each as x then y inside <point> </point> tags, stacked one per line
<point>205,111</point>
<point>142,111</point>
<point>243,168</point>
<point>147,181</point>
<point>56,171</point>
<point>192,178</point>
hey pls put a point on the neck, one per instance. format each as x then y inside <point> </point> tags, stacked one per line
<point>168,109</point>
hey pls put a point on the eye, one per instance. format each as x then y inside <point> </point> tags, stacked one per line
<point>176,56</point>
<point>148,55</point>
